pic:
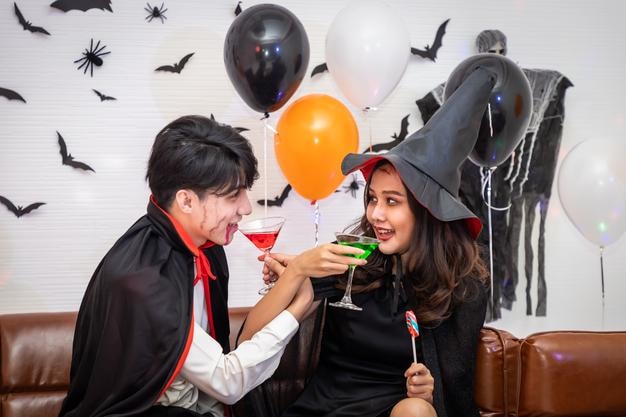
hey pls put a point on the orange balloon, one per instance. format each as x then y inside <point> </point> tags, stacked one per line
<point>314,134</point>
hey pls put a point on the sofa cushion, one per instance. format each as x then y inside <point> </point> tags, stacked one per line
<point>32,404</point>
<point>573,373</point>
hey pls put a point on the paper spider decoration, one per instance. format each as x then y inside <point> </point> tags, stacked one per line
<point>91,57</point>
<point>155,12</point>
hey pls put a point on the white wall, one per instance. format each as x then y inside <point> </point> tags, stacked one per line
<point>47,257</point>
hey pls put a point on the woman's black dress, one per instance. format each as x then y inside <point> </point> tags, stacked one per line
<point>360,373</point>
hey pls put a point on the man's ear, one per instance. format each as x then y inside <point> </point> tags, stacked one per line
<point>184,200</point>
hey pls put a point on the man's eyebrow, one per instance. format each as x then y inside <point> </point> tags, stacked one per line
<point>232,192</point>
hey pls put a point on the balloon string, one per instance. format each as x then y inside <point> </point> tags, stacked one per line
<point>366,111</point>
<point>489,113</point>
<point>487,180</point>
<point>265,129</point>
<point>602,281</point>
<point>317,223</point>
<point>369,129</point>
<point>271,128</point>
<point>493,307</point>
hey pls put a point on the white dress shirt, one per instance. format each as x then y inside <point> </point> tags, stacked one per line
<point>209,377</point>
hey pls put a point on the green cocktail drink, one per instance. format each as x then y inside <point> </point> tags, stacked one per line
<point>368,245</point>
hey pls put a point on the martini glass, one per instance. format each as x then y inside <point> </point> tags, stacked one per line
<point>368,245</point>
<point>263,233</point>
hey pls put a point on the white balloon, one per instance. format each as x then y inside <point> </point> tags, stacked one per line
<point>367,51</point>
<point>592,189</point>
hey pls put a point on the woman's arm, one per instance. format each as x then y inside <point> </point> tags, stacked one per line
<point>293,291</point>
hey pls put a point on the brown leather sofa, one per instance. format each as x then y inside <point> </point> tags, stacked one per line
<point>559,373</point>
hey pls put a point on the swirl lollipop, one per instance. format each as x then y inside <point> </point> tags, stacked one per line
<point>414,331</point>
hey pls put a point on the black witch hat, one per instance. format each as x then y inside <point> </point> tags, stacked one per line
<point>429,161</point>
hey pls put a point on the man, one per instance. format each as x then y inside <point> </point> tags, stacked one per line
<point>153,325</point>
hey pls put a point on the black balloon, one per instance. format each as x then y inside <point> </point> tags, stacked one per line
<point>510,105</point>
<point>266,53</point>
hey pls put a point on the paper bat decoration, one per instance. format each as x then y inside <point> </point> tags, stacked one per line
<point>10,94</point>
<point>68,159</point>
<point>82,5</point>
<point>26,25</point>
<point>19,211</point>
<point>238,9</point>
<point>177,68</point>
<point>102,96</point>
<point>431,52</point>
<point>319,69</point>
<point>397,138</point>
<point>278,200</point>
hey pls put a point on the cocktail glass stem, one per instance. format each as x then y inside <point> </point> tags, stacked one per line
<point>347,296</point>
<point>346,300</point>
<point>269,285</point>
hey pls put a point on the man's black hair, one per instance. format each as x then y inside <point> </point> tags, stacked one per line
<point>202,155</point>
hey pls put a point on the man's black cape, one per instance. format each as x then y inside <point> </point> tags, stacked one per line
<point>135,319</point>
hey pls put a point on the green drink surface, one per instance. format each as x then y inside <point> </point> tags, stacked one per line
<point>367,247</point>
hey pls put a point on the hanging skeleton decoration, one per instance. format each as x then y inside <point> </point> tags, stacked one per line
<point>524,181</point>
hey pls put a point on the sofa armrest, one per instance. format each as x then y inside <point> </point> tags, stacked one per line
<point>497,373</point>
<point>36,351</point>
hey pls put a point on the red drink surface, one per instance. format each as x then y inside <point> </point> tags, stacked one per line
<point>264,240</point>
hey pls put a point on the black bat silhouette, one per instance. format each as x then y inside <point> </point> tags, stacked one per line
<point>82,5</point>
<point>238,9</point>
<point>26,24</point>
<point>102,96</point>
<point>10,94</point>
<point>431,52</point>
<point>278,200</point>
<point>177,68</point>
<point>68,159</point>
<point>319,69</point>
<point>19,211</point>
<point>397,138</point>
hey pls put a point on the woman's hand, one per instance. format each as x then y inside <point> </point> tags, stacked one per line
<point>419,382</point>
<point>291,291</point>
<point>324,260</point>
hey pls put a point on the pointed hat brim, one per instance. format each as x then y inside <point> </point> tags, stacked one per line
<point>429,161</point>
<point>437,200</point>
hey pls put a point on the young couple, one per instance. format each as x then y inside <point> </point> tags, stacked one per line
<point>152,332</point>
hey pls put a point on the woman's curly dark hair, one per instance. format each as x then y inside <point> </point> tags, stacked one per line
<point>441,258</point>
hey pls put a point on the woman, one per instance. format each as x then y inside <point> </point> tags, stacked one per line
<point>427,261</point>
